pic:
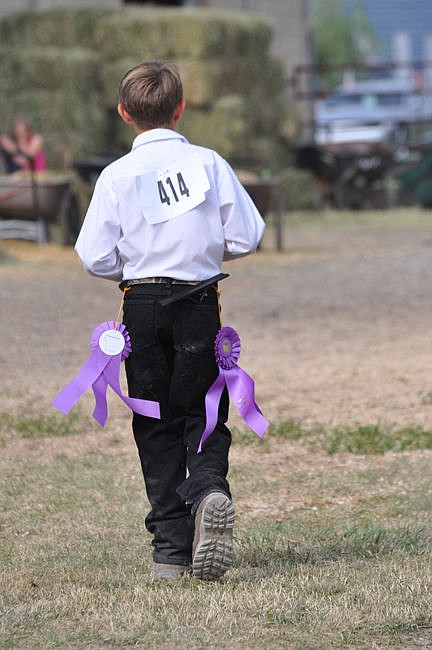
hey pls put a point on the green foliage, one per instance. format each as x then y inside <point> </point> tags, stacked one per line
<point>332,33</point>
<point>339,37</point>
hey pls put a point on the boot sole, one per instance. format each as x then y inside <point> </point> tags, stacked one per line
<point>214,552</point>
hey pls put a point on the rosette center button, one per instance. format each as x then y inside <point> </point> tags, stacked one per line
<point>226,346</point>
<point>111,342</point>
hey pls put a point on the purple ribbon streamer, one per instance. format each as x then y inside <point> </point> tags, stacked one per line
<point>241,387</point>
<point>100,371</point>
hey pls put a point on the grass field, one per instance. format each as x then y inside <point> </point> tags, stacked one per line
<point>333,539</point>
<point>332,550</point>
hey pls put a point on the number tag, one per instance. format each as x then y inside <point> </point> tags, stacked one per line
<point>174,190</point>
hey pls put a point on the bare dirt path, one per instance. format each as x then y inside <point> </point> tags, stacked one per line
<point>335,329</point>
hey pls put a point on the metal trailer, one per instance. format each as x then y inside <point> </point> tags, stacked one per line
<point>350,175</point>
<point>30,203</point>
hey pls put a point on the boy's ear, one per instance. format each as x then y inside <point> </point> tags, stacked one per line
<point>124,114</point>
<point>179,110</point>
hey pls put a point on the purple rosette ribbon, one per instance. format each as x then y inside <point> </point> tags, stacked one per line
<point>110,345</point>
<point>240,385</point>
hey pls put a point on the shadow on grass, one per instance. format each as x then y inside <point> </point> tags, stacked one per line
<point>364,439</point>
<point>264,545</point>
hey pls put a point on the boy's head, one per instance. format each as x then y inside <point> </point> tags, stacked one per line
<point>151,95</point>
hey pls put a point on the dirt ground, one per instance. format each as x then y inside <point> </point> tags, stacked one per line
<point>335,329</point>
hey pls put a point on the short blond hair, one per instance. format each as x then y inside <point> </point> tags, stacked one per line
<point>150,92</point>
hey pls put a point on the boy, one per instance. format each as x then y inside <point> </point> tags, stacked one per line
<point>162,219</point>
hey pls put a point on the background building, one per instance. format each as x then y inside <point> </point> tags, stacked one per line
<point>391,18</point>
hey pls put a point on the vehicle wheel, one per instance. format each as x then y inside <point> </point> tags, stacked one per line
<point>69,218</point>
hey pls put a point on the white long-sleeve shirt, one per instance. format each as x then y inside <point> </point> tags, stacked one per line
<point>167,208</point>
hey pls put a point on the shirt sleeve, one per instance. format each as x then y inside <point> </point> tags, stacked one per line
<point>242,223</point>
<point>97,243</point>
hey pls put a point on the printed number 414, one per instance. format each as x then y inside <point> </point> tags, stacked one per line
<point>166,189</point>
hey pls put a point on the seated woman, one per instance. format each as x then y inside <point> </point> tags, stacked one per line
<point>22,147</point>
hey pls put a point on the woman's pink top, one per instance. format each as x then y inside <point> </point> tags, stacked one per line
<point>39,162</point>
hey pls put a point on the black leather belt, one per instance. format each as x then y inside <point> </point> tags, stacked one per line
<point>190,288</point>
<point>189,291</point>
<point>169,281</point>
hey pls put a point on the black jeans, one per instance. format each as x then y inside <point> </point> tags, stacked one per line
<point>172,362</point>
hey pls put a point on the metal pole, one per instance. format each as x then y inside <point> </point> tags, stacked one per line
<point>279,205</point>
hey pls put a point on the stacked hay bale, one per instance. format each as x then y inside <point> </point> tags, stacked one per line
<point>62,67</point>
<point>51,73</point>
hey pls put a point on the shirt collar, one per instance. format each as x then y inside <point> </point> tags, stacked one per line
<point>156,135</point>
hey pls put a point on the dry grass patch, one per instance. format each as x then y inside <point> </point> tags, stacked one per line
<point>25,251</point>
<point>312,569</point>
